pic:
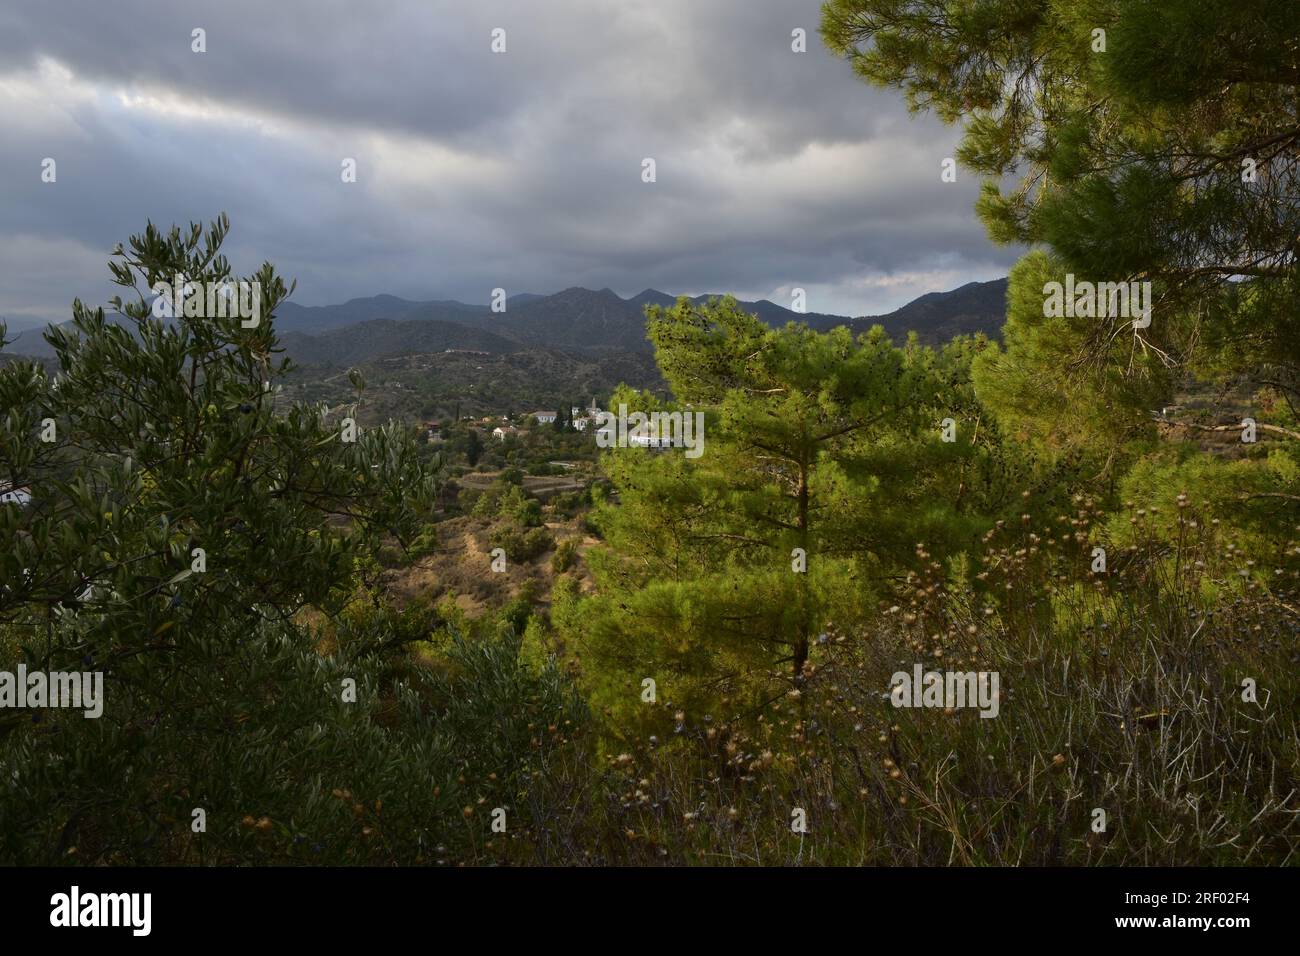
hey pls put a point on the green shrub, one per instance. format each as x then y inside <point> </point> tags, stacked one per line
<point>520,545</point>
<point>286,772</point>
<point>566,555</point>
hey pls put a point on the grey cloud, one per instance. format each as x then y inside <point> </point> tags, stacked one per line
<point>476,170</point>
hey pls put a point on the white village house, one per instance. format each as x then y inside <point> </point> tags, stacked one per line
<point>580,418</point>
<point>21,496</point>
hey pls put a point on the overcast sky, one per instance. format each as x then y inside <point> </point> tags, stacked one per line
<point>475,170</point>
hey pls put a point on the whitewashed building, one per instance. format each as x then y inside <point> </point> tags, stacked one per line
<point>21,496</point>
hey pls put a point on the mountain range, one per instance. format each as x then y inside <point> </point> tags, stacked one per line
<point>585,320</point>
<point>575,319</point>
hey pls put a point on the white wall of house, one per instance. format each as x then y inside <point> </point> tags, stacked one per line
<point>18,496</point>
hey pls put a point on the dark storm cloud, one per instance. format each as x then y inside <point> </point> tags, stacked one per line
<point>476,170</point>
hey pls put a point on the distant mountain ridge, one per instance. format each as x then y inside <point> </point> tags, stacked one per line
<point>937,317</point>
<point>584,319</point>
<point>574,319</point>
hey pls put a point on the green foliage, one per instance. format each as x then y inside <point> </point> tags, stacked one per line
<point>1090,718</point>
<point>521,545</point>
<point>565,557</point>
<point>169,438</point>
<point>259,737</point>
<point>823,466</point>
<point>1165,151</point>
<point>473,446</point>
<point>519,509</point>
<point>1040,394</point>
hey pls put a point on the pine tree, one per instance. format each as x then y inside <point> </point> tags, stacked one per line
<point>822,467</point>
<point>1154,142</point>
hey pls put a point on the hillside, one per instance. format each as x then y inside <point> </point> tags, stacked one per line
<point>420,386</point>
<point>937,317</point>
<point>314,319</point>
<point>379,338</point>
<point>582,319</point>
